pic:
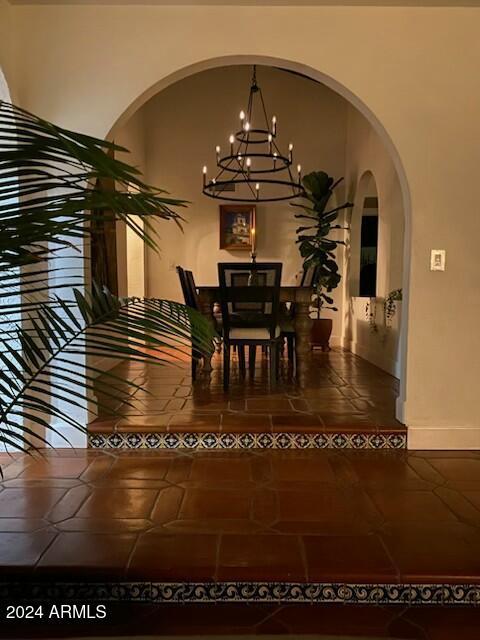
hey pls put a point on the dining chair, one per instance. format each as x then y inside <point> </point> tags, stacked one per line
<point>187,298</point>
<point>217,316</point>
<point>192,288</point>
<point>250,301</point>
<point>190,300</point>
<point>246,311</point>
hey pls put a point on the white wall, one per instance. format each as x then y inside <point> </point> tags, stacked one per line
<point>182,125</point>
<point>370,173</point>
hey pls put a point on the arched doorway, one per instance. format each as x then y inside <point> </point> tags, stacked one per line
<point>317,76</point>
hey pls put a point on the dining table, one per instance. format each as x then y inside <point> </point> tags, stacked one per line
<point>300,296</point>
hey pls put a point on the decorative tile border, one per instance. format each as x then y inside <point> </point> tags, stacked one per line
<point>214,592</point>
<point>133,440</point>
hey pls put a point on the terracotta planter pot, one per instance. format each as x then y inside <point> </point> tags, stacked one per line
<point>321,332</point>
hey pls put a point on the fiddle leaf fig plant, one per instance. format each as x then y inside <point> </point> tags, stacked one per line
<point>316,245</point>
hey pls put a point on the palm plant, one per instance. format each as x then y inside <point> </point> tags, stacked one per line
<point>52,324</point>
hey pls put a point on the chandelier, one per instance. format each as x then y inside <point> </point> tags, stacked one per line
<point>254,169</point>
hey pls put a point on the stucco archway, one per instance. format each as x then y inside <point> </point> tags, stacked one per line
<point>355,101</point>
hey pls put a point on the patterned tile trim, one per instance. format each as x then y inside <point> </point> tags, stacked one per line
<point>126,440</point>
<point>182,592</point>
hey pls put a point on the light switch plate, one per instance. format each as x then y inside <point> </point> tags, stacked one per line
<point>437,260</point>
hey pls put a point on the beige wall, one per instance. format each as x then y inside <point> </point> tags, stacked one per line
<point>413,71</point>
<point>6,62</point>
<point>184,123</point>
<point>370,173</point>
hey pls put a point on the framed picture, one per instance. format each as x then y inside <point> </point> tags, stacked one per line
<point>237,227</point>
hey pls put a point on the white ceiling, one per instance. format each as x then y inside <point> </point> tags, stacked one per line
<point>295,3</point>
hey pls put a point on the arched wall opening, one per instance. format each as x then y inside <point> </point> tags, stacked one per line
<point>373,326</point>
<point>190,74</point>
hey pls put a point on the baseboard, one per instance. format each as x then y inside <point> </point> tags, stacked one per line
<point>443,438</point>
<point>336,341</point>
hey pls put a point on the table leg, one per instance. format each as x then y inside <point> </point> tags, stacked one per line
<point>303,328</point>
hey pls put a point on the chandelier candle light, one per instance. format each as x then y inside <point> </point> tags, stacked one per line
<point>255,170</point>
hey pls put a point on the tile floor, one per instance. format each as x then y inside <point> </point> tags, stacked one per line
<point>316,515</point>
<point>305,516</point>
<point>242,516</point>
<point>343,394</point>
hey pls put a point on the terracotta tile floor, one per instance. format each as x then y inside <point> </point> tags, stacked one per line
<point>343,393</point>
<point>315,515</point>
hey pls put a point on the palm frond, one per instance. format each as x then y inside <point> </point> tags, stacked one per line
<point>52,199</point>
<point>101,325</point>
<point>51,191</point>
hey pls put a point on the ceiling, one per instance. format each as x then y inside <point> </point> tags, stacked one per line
<point>295,3</point>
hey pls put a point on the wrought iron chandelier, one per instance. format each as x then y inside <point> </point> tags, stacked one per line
<point>255,169</point>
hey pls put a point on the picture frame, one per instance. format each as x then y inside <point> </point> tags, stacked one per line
<point>237,227</point>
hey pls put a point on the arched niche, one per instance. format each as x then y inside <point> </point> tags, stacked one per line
<point>366,206</point>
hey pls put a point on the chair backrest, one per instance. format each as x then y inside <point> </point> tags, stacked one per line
<point>308,276</point>
<point>244,279</point>
<point>192,289</point>
<point>185,288</point>
<point>250,294</point>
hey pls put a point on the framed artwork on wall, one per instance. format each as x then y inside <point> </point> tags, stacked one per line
<point>237,227</point>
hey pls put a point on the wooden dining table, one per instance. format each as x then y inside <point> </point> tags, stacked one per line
<point>301,297</point>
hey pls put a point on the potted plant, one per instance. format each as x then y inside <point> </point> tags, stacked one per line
<point>390,306</point>
<point>317,248</point>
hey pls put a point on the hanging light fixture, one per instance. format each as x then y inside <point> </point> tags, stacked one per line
<point>254,169</point>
